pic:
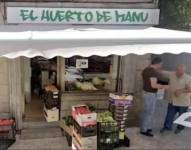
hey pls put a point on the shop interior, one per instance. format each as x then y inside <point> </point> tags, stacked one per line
<point>43,72</point>
<point>92,74</point>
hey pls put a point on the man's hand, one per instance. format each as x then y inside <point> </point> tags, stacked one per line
<point>166,87</point>
<point>178,93</point>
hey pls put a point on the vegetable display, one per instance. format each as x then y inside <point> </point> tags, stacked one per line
<point>105,117</point>
<point>85,86</point>
<point>99,82</point>
<point>82,110</point>
<point>68,120</point>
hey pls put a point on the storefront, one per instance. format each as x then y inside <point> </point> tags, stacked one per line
<point>103,34</point>
<point>70,36</point>
<point>85,53</point>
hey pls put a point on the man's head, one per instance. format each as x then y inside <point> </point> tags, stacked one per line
<point>180,70</point>
<point>156,63</point>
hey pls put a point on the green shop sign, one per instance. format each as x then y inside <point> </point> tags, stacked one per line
<point>35,15</point>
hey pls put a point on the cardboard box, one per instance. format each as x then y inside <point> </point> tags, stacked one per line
<point>51,115</point>
<point>84,119</point>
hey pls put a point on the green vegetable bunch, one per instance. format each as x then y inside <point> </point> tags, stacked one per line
<point>105,117</point>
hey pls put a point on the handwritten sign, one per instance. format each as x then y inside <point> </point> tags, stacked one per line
<point>26,15</point>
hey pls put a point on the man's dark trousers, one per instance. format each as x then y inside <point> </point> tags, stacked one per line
<point>171,113</point>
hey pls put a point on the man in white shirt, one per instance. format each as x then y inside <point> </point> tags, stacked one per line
<point>178,95</point>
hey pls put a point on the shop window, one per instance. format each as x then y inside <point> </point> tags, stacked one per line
<point>96,64</point>
<point>92,76</point>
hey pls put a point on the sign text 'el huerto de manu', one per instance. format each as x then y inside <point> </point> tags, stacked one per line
<point>81,16</point>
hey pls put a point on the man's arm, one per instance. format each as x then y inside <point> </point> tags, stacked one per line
<point>166,73</point>
<point>187,88</point>
<point>155,85</point>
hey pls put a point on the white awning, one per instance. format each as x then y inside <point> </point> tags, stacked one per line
<point>50,41</point>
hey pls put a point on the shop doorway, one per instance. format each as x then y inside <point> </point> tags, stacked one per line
<point>43,72</point>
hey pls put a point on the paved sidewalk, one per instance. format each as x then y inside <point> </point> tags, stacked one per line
<point>168,140</point>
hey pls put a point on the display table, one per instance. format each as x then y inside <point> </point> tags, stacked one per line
<point>97,98</point>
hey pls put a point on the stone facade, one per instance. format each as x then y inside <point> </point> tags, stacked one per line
<point>132,67</point>
<point>4,86</point>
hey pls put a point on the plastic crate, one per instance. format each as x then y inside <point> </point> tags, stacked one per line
<point>90,130</point>
<point>51,100</point>
<point>69,139</point>
<point>7,128</point>
<point>6,143</point>
<point>106,147</point>
<point>107,133</point>
<point>107,127</point>
<point>117,102</point>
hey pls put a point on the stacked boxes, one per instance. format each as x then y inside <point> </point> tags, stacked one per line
<point>119,107</point>
<point>51,115</point>
<point>51,103</point>
<point>85,128</point>
<point>51,97</point>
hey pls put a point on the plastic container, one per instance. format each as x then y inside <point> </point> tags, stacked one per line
<point>87,131</point>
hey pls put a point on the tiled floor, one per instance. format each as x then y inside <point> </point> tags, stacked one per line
<point>34,110</point>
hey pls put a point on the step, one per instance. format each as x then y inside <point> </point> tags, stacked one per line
<point>40,133</point>
<point>58,143</point>
<point>41,124</point>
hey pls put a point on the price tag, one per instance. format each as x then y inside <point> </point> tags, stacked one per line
<point>82,63</point>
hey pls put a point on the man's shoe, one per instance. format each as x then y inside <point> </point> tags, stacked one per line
<point>149,134</point>
<point>149,130</point>
<point>177,131</point>
<point>164,130</point>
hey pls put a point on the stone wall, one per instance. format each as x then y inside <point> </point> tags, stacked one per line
<point>1,14</point>
<point>132,82</point>
<point>4,86</point>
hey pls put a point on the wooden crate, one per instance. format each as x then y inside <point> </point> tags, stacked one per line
<point>82,143</point>
<point>67,129</point>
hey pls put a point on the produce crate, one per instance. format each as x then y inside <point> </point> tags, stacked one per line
<point>51,99</point>
<point>83,143</point>
<point>69,139</point>
<point>106,146</point>
<point>67,130</point>
<point>51,115</point>
<point>6,143</point>
<point>107,127</point>
<point>121,99</point>
<point>124,142</point>
<point>107,133</point>
<point>7,128</point>
<point>87,131</point>
<point>85,118</point>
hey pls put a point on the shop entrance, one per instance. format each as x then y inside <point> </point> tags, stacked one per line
<point>43,73</point>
